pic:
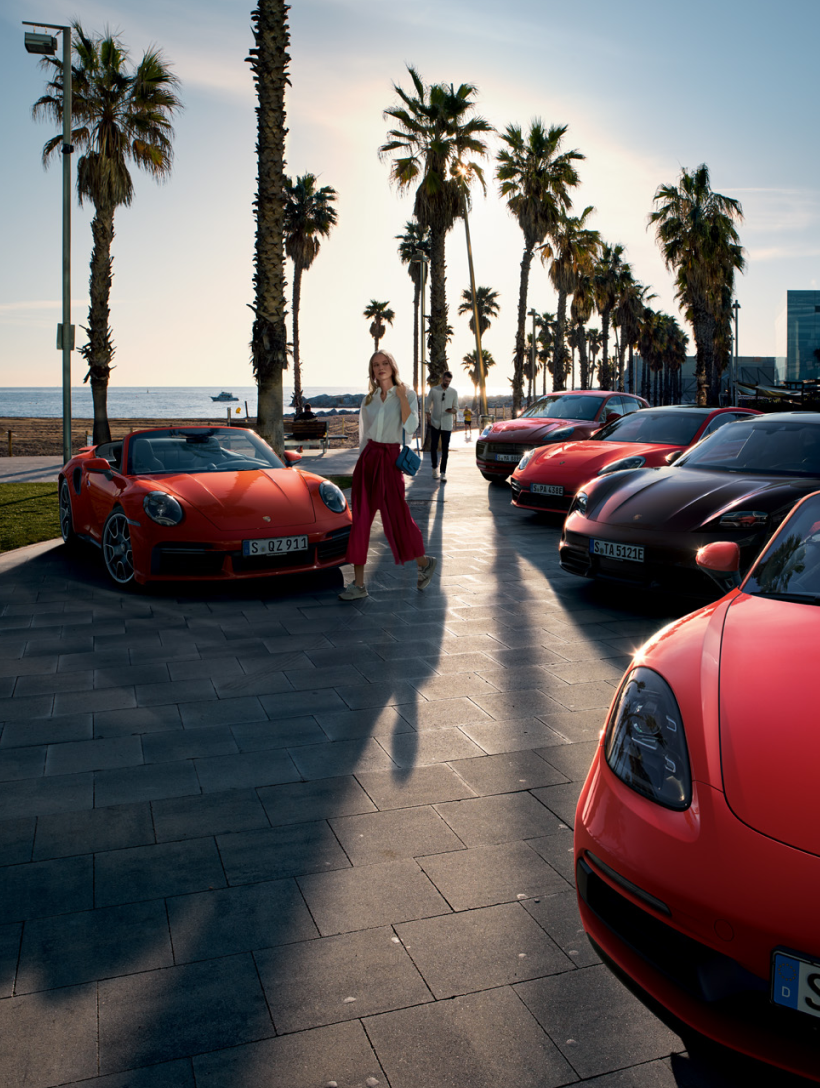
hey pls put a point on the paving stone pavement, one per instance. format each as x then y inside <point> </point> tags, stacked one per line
<point>254,837</point>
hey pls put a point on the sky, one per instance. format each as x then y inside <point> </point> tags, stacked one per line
<point>645,88</point>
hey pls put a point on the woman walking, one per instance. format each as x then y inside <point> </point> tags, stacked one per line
<point>388,408</point>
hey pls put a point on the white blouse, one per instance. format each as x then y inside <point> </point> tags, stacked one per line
<point>381,419</point>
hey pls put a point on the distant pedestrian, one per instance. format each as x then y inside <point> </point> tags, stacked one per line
<point>468,421</point>
<point>442,408</point>
<point>388,409</point>
<point>304,414</point>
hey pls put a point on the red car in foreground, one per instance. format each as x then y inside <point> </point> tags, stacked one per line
<point>559,417</point>
<point>697,844</point>
<point>200,502</point>
<point>548,478</point>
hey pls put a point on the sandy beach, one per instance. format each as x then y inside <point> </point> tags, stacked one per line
<point>33,437</point>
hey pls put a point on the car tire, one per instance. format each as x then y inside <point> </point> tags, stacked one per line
<point>116,549</point>
<point>66,516</point>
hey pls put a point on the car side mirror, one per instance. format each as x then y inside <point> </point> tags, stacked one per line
<point>612,416</point>
<point>97,464</point>
<point>292,457</point>
<point>672,457</point>
<point>721,561</point>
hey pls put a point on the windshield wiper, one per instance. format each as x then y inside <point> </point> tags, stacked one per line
<point>797,598</point>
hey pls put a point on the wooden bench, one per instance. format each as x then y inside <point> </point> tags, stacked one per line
<point>307,432</point>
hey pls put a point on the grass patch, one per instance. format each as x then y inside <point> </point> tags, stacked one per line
<point>341,481</point>
<point>28,513</point>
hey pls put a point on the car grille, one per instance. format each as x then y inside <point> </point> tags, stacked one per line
<point>334,547</point>
<point>186,559</point>
<point>483,449</point>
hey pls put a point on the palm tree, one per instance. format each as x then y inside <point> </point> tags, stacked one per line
<point>309,216</point>
<point>269,338</point>
<point>695,229</point>
<point>122,116</point>
<point>627,317</point>
<point>486,302</point>
<point>571,250</point>
<point>435,133</point>
<point>583,302</point>
<point>380,312</point>
<point>545,341</point>
<point>593,346</point>
<point>470,364</point>
<point>414,244</point>
<point>606,279</point>
<point>535,178</point>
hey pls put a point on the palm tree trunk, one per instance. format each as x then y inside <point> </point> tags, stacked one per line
<point>416,302</point>
<point>297,366</point>
<point>438,306</point>
<point>605,381</point>
<point>559,380</point>
<point>699,327</point>
<point>631,370</point>
<point>99,350</point>
<point>269,64</point>
<point>582,355</point>
<point>520,334</point>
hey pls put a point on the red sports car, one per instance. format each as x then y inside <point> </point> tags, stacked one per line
<point>201,502</point>
<point>548,478</point>
<point>697,844</point>
<point>558,417</point>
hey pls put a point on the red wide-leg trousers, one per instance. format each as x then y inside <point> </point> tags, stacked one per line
<point>379,485</point>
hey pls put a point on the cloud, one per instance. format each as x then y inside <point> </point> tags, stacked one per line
<point>39,304</point>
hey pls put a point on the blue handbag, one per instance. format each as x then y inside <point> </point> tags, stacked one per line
<point>408,461</point>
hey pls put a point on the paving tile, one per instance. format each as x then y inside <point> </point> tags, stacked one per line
<point>583,672</point>
<point>509,772</point>
<point>406,669</point>
<point>207,814</point>
<point>174,691</point>
<point>369,721</point>
<point>558,915</point>
<point>516,735</point>
<point>40,796</point>
<point>73,757</point>
<point>483,876</point>
<point>27,707</point>
<point>562,800</point>
<point>242,919</point>
<point>130,675</point>
<point>423,785</point>
<point>253,856</point>
<point>339,1054</point>
<point>41,888</point>
<point>147,783</point>
<point>442,713</point>
<point>17,763</point>
<point>476,1040</point>
<point>11,665</point>
<point>482,821</point>
<point>222,711</point>
<point>9,954</point>
<point>377,695</point>
<point>263,681</point>
<point>247,769</point>
<point>339,758</point>
<point>481,949</point>
<point>572,760</point>
<point>155,871</point>
<point>521,703</point>
<point>607,1026</point>
<point>44,1041</point>
<point>408,750</point>
<point>16,839</point>
<point>85,702</point>
<point>52,683</point>
<point>374,895</point>
<point>93,944</point>
<point>119,723</point>
<point>339,978</point>
<point>301,802</point>
<point>92,831</point>
<point>215,670</point>
<point>195,1008</point>
<point>283,733</point>
<point>454,685</point>
<point>292,704</point>
<point>175,744</point>
<point>557,850</point>
<point>386,836</point>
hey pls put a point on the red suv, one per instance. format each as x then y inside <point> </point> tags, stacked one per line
<point>558,417</point>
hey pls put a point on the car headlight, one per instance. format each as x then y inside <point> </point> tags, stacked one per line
<point>744,519</point>
<point>622,465</point>
<point>332,497</point>
<point>580,504</point>
<point>525,460</point>
<point>486,430</point>
<point>645,745</point>
<point>562,434</point>
<point>162,508</point>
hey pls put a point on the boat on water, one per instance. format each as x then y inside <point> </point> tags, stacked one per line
<point>225,396</point>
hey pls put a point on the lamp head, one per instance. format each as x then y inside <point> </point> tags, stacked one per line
<point>44,44</point>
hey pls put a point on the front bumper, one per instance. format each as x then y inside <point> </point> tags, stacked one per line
<point>525,499</point>
<point>689,906</point>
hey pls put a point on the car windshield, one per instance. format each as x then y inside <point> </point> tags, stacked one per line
<point>789,569</point>
<point>774,447</point>
<point>662,428</point>
<point>206,449</point>
<point>564,406</point>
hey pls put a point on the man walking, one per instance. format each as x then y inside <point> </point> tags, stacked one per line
<point>442,408</point>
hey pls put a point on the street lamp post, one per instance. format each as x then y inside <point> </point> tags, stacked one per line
<point>735,307</point>
<point>531,385</point>
<point>479,354</point>
<point>46,45</point>
<point>422,261</point>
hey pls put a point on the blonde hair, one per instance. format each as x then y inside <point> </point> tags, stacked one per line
<point>372,383</point>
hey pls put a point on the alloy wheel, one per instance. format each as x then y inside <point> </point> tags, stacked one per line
<point>116,546</point>
<point>66,520</point>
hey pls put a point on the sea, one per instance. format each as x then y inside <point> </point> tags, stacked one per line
<point>157,402</point>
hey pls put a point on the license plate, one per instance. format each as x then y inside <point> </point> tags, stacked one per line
<point>509,457</point>
<point>796,983</point>
<point>616,551</point>
<point>547,489</point>
<point>275,545</point>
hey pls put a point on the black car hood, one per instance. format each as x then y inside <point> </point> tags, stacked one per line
<point>681,499</point>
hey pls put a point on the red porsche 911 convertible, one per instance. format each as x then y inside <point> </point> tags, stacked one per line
<point>548,478</point>
<point>697,844</point>
<point>200,502</point>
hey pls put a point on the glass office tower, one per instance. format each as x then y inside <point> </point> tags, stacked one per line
<point>798,335</point>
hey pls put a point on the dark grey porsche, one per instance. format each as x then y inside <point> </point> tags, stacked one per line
<point>645,526</point>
